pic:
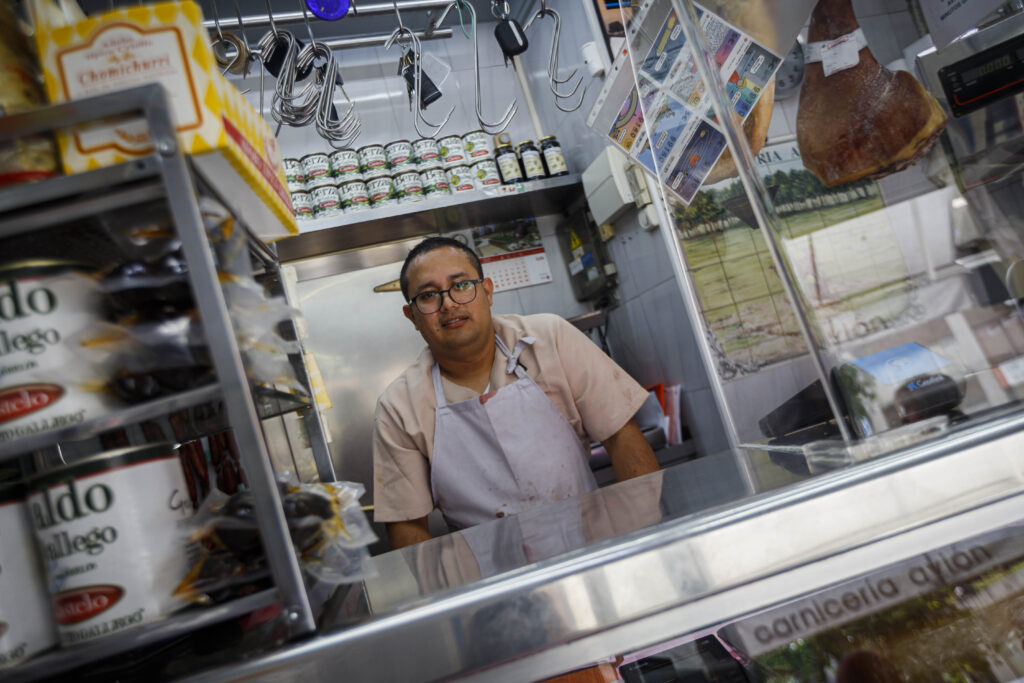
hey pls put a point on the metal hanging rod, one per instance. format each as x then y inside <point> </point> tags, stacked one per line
<point>370,41</point>
<point>284,18</point>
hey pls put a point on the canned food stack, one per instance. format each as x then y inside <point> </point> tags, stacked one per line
<point>404,172</point>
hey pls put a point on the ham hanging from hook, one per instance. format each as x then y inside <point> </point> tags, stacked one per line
<point>864,121</point>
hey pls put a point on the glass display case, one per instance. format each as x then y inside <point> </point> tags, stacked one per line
<point>852,256</point>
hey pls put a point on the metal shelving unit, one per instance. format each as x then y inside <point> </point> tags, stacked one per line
<point>166,175</point>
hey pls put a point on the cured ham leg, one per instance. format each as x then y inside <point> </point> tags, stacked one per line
<point>865,121</point>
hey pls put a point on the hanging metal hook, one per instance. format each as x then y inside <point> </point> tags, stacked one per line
<point>553,80</point>
<point>488,127</point>
<point>416,48</point>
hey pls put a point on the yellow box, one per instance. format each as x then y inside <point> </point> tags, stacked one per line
<point>230,143</point>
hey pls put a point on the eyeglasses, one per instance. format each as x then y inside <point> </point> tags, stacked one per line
<point>462,292</point>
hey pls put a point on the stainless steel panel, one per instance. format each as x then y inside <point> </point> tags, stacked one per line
<point>676,576</point>
<point>362,342</point>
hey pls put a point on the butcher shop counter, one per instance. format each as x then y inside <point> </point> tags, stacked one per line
<point>626,567</point>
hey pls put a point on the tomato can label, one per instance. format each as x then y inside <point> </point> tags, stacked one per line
<point>486,173</point>
<point>380,189</point>
<point>461,179</point>
<point>344,162</point>
<point>453,152</point>
<point>26,621</point>
<point>354,195</point>
<point>407,184</point>
<point>372,157</point>
<point>293,170</point>
<point>315,165</point>
<point>319,181</point>
<point>114,542</point>
<point>302,204</point>
<point>435,181</point>
<point>399,153</point>
<point>296,186</point>
<point>326,198</point>
<point>478,146</point>
<point>43,369</point>
<point>377,172</point>
<point>425,150</point>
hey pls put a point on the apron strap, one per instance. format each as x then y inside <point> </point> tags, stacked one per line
<point>511,367</point>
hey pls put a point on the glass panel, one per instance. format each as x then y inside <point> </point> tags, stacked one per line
<point>885,291</point>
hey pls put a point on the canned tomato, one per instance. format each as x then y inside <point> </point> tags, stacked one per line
<point>326,201</point>
<point>293,171</point>
<point>302,205</point>
<point>371,158</point>
<point>380,189</point>
<point>111,530</point>
<point>354,196</point>
<point>435,181</point>
<point>486,172</point>
<point>45,307</point>
<point>453,152</point>
<point>408,185</point>
<point>296,186</point>
<point>399,154</point>
<point>26,620</point>
<point>344,163</point>
<point>315,165</point>
<point>426,150</point>
<point>477,145</point>
<point>461,179</point>
<point>508,165</point>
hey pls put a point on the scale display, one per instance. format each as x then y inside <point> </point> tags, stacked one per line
<point>984,78</point>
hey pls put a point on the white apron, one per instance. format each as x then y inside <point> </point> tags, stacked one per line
<point>497,458</point>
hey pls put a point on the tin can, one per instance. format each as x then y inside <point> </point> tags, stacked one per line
<point>554,159</point>
<point>426,150</point>
<point>326,201</point>
<point>533,167</point>
<point>408,185</point>
<point>302,205</point>
<point>27,626</point>
<point>354,196</point>
<point>508,165</point>
<point>435,182</point>
<point>344,163</point>
<point>45,306</point>
<point>453,152</point>
<point>293,171</point>
<point>486,172</point>
<point>380,190</point>
<point>478,146</point>
<point>461,179</point>
<point>371,158</point>
<point>429,165</point>
<point>399,155</point>
<point>376,172</point>
<point>111,532</point>
<point>315,165</point>
<point>296,186</point>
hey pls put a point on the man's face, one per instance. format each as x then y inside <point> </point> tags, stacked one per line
<point>456,326</point>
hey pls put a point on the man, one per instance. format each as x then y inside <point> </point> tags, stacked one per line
<point>494,414</point>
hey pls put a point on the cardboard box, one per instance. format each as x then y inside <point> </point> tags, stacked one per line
<point>230,144</point>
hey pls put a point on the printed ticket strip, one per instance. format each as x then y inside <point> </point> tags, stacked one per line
<point>681,137</point>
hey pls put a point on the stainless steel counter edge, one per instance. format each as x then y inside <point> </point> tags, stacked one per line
<point>681,575</point>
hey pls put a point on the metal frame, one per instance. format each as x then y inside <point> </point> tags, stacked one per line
<point>680,576</point>
<point>180,191</point>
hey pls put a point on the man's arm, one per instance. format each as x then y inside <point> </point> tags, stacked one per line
<point>401,534</point>
<point>630,453</point>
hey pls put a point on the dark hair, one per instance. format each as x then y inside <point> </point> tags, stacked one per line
<point>430,244</point>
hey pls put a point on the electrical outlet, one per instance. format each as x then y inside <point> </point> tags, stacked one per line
<point>606,231</point>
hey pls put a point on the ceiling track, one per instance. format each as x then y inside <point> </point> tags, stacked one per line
<point>357,10</point>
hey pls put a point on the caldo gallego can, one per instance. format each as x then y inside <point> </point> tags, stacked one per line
<point>111,531</point>
<point>26,622</point>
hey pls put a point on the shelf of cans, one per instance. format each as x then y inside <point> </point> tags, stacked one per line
<point>402,172</point>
